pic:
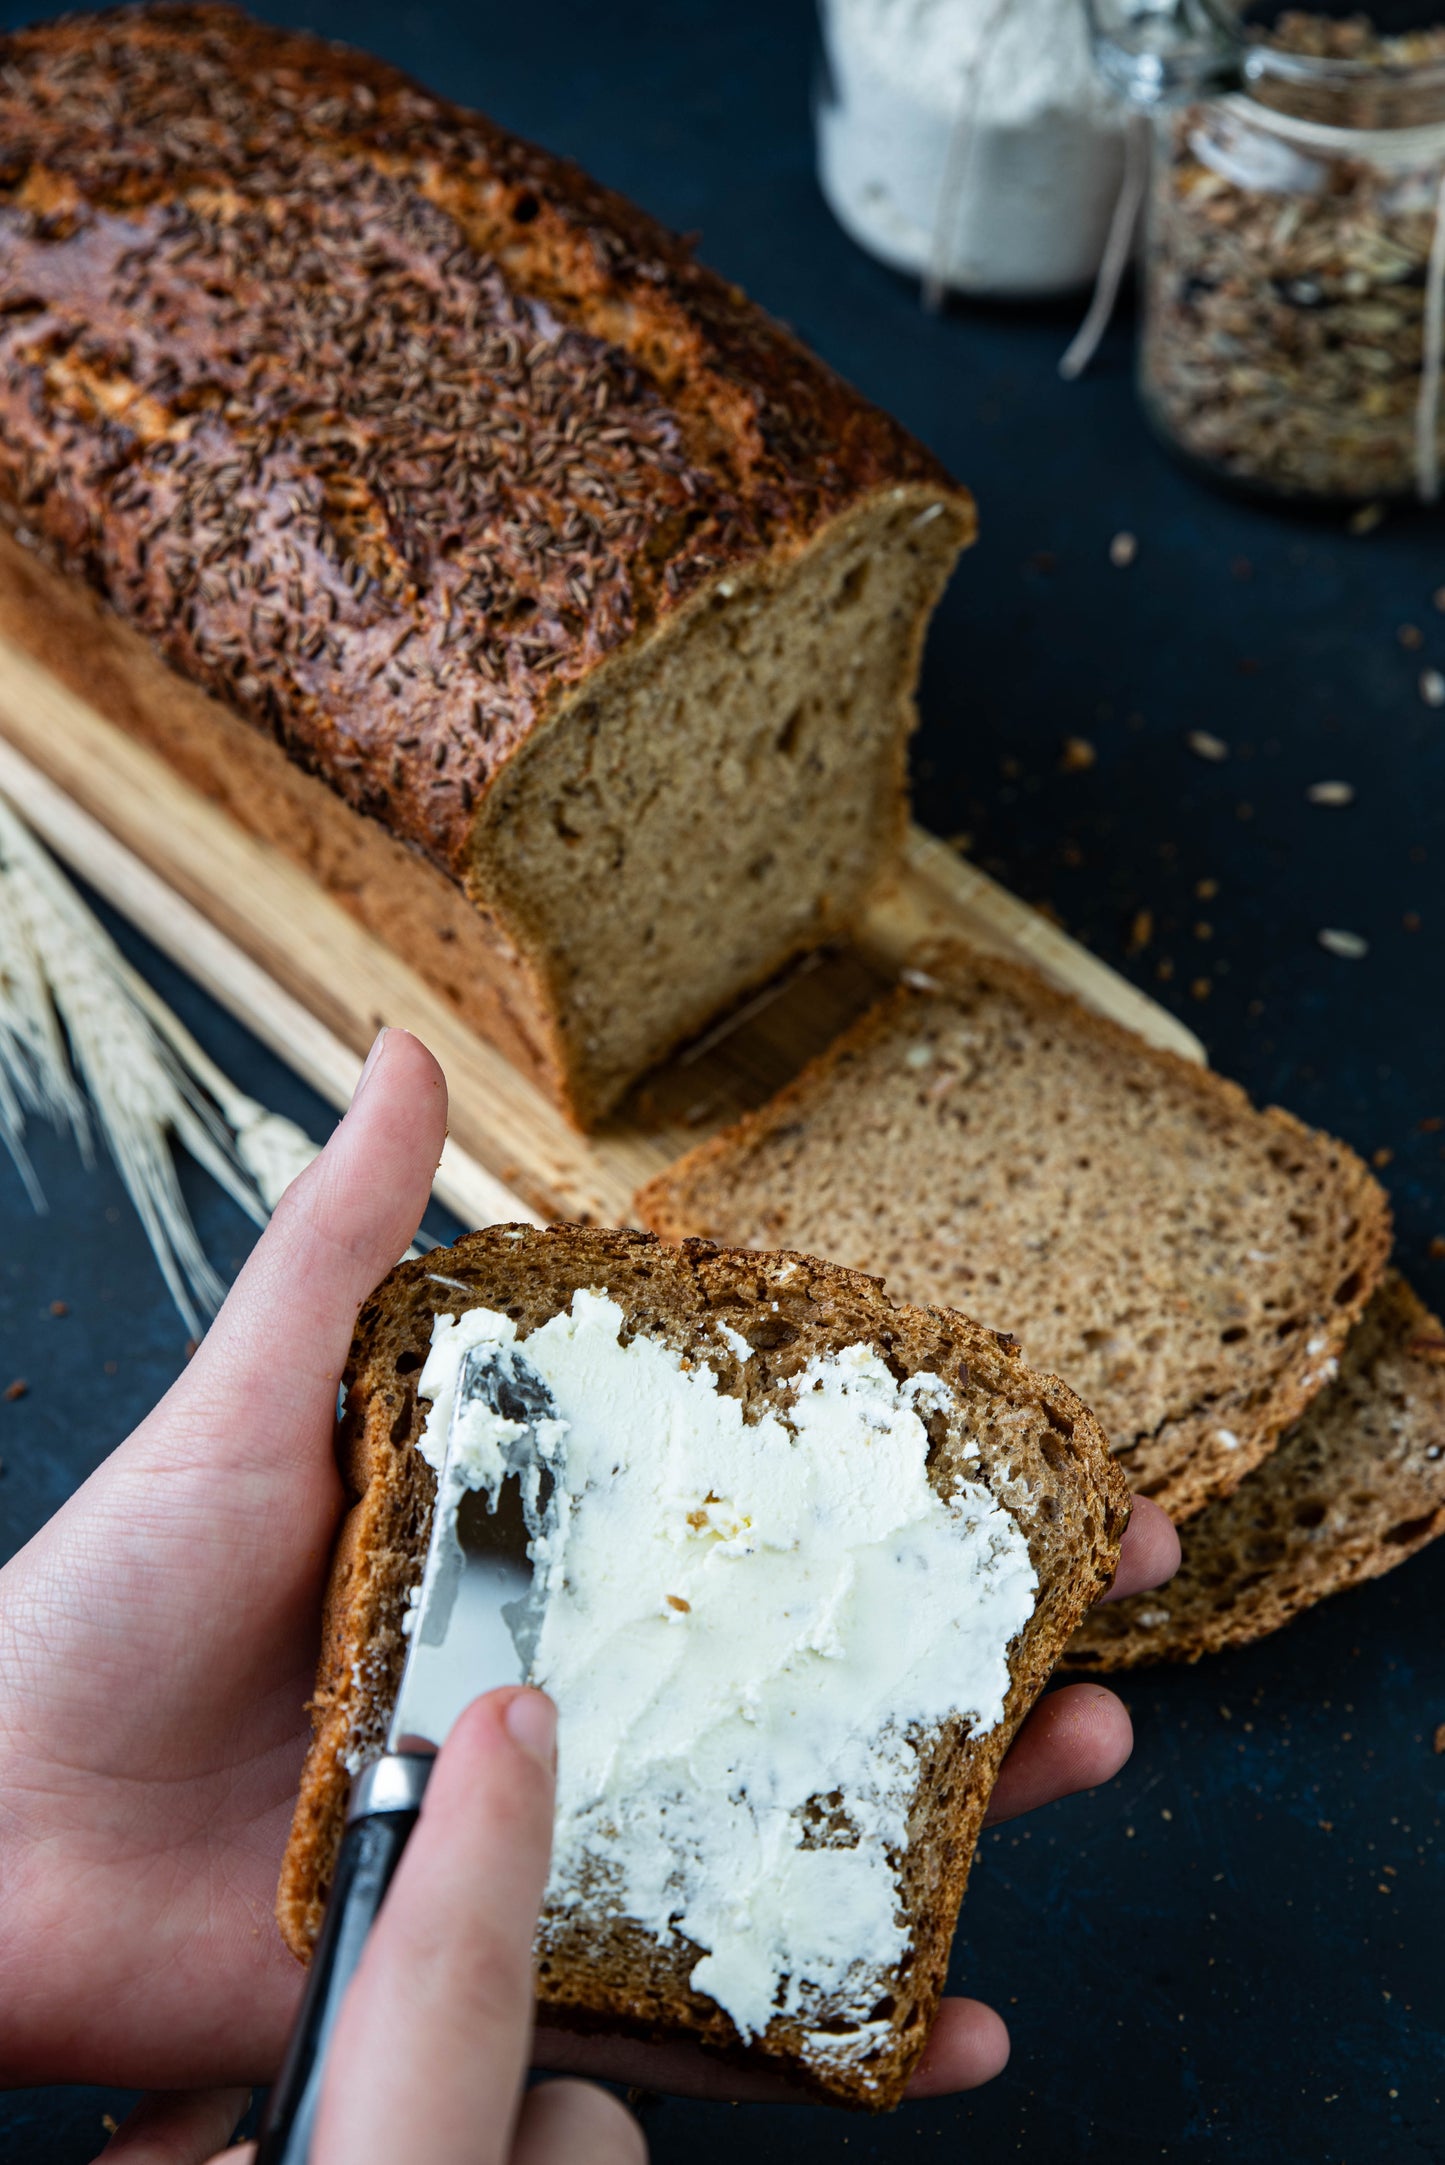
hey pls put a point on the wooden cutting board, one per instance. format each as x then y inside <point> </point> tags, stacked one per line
<point>315,987</point>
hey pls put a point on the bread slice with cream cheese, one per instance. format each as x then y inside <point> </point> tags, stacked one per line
<point>843,1542</point>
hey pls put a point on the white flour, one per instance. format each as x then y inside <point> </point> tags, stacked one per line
<point>970,139</point>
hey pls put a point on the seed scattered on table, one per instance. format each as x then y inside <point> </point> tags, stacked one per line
<point>1349,945</point>
<point>1122,550</point>
<point>1331,793</point>
<point>17,1389</point>
<point>1432,688</point>
<point>1078,755</point>
<point>1207,746</point>
<point>1410,635</point>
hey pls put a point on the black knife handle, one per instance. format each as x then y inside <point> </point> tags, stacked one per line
<point>383,1811</point>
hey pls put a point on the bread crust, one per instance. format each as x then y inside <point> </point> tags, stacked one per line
<point>390,888</point>
<point>1198,1453</point>
<point>393,526</point>
<point>1356,1487</point>
<point>1037,1444</point>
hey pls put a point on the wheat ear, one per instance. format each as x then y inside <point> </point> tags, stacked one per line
<point>62,984</point>
<point>69,1000</point>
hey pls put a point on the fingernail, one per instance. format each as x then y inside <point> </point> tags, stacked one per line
<point>531,1721</point>
<point>369,1063</point>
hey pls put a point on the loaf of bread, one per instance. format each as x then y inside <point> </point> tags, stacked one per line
<point>433,508</point>
<point>1356,1486</point>
<point>1009,1471</point>
<point>1190,1265</point>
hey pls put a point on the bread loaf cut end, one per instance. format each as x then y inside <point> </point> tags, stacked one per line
<point>722,797</point>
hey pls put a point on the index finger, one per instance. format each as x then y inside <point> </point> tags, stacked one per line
<point>433,2037</point>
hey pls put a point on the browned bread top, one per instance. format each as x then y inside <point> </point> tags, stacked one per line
<point>1356,1486</point>
<point>1190,1264</point>
<point>384,426</point>
<point>1025,1437</point>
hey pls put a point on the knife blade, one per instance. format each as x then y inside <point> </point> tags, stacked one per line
<point>474,1588</point>
<point>472,1627</point>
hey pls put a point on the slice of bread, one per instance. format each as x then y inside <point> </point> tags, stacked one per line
<point>1191,1265</point>
<point>756,1321</point>
<point>1356,1486</point>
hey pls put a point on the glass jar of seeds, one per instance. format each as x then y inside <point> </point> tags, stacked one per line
<point>1294,259</point>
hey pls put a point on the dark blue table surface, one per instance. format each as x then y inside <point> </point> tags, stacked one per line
<point>1235,1949</point>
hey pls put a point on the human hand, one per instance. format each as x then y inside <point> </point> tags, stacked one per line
<point>431,2048</point>
<point>157,1642</point>
<point>157,1647</point>
<point>433,2041</point>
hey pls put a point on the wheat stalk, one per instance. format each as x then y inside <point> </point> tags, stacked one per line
<point>72,1011</point>
<point>272,1148</point>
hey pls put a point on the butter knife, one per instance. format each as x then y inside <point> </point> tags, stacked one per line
<point>470,1632</point>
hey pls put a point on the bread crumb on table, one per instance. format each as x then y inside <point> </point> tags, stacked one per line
<point>1141,931</point>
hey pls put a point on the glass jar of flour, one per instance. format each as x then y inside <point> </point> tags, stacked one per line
<point>969,142</point>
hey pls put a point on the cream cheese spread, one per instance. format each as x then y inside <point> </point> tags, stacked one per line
<point>745,1620</point>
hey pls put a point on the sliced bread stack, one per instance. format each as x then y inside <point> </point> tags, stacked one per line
<point>1356,1486</point>
<point>1192,1265</point>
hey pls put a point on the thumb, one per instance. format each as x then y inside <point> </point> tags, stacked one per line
<point>432,2042</point>
<point>268,1366</point>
